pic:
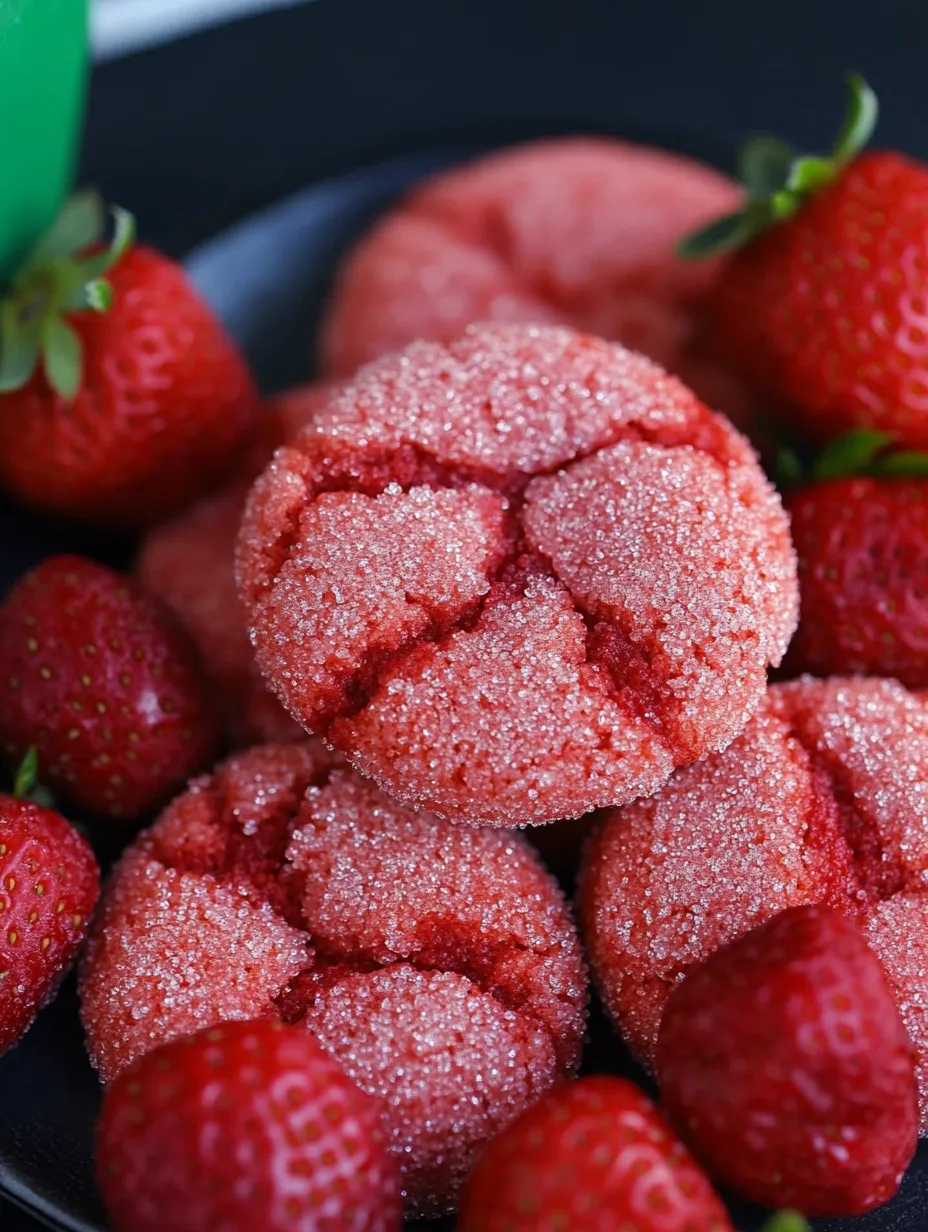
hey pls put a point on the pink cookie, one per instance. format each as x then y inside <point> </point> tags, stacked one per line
<point>575,231</point>
<point>822,799</point>
<point>188,562</point>
<point>439,964</point>
<point>517,577</point>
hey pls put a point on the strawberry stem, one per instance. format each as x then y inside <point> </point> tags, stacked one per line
<point>779,180</point>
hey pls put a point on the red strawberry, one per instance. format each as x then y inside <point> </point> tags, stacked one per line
<point>49,885</point>
<point>862,545</point>
<point>825,308</point>
<point>143,401</point>
<point>241,1127</point>
<point>189,562</point>
<point>784,1060</point>
<point>105,684</point>
<point>592,1154</point>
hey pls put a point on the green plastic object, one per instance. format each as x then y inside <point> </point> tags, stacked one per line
<point>43,74</point>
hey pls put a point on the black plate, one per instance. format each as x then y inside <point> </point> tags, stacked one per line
<point>267,278</point>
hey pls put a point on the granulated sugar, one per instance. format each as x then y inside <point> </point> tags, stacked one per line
<point>577,231</point>
<point>452,1065</point>
<point>518,576</point>
<point>174,952</point>
<point>284,883</point>
<point>823,799</point>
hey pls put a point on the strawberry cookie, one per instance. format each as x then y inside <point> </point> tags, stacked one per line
<point>572,231</point>
<point>823,799</point>
<point>439,965</point>
<point>188,563</point>
<point>518,576</point>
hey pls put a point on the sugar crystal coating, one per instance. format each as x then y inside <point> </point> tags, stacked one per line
<point>188,562</point>
<point>179,951</point>
<point>418,1039</point>
<point>573,231</point>
<point>518,576</point>
<point>520,680</point>
<point>284,883</point>
<point>630,531</point>
<point>822,799</point>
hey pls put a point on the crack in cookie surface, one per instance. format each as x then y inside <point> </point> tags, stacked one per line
<point>286,884</point>
<point>822,800</point>
<point>300,842</point>
<point>401,521</point>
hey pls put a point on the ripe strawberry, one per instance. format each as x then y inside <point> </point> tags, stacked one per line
<point>784,1061</point>
<point>862,545</point>
<point>189,562</point>
<point>105,684</point>
<point>245,1126</point>
<point>143,402</point>
<point>49,885</point>
<point>825,306</point>
<point>592,1154</point>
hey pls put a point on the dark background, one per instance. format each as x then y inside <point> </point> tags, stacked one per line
<point>199,133</point>
<point>196,134</point>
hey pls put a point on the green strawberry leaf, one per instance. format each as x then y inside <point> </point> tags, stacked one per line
<point>724,235</point>
<point>62,357</point>
<point>809,174</point>
<point>26,785</point>
<point>852,453</point>
<point>19,347</point>
<point>863,111</point>
<point>99,295</point>
<point>779,181</point>
<point>764,164</point>
<point>786,1221</point>
<point>905,462</point>
<point>81,282</point>
<point>79,225</point>
<point>102,262</point>
<point>60,278</point>
<point>27,775</point>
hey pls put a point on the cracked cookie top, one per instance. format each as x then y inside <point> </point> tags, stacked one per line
<point>440,964</point>
<point>822,799</point>
<point>518,576</point>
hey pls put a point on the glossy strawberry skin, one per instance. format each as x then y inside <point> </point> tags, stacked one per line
<point>166,409</point>
<point>245,1126</point>
<point>863,574</point>
<point>827,313</point>
<point>593,1154</point>
<point>106,686</point>
<point>49,885</point>
<point>784,1062</point>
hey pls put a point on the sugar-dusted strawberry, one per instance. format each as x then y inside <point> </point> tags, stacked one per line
<point>121,398</point>
<point>592,1154</point>
<point>824,305</point>
<point>49,885</point>
<point>785,1063</point>
<point>105,684</point>
<point>250,1125</point>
